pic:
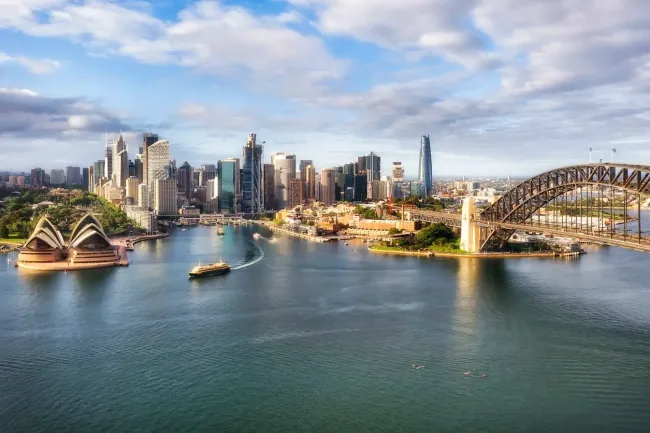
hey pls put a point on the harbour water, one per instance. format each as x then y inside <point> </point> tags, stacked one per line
<point>302,336</point>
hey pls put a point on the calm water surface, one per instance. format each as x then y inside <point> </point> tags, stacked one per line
<point>320,337</point>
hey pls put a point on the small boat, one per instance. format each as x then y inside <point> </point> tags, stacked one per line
<point>220,231</point>
<point>257,236</point>
<point>207,270</point>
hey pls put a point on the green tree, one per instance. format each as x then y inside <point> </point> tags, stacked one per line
<point>394,231</point>
<point>4,232</point>
<point>435,233</point>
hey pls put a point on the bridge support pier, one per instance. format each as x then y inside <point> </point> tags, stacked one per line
<point>470,233</point>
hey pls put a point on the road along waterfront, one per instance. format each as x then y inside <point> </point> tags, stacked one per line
<point>322,337</point>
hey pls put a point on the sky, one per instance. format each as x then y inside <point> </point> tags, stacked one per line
<point>502,87</point>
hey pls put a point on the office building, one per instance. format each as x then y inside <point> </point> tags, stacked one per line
<point>99,171</point>
<point>328,186</point>
<point>85,177</point>
<point>304,163</point>
<point>398,172</point>
<point>252,195</point>
<point>184,180</point>
<point>350,168</point>
<point>57,177</point>
<point>310,182</point>
<point>379,190</point>
<point>370,165</point>
<point>73,176</point>
<point>120,161</point>
<point>211,189</point>
<point>425,173</point>
<point>132,184</point>
<point>148,140</point>
<point>143,195</point>
<point>229,185</point>
<point>157,167</point>
<point>360,187</point>
<point>20,180</point>
<point>139,168</point>
<point>38,177</point>
<point>269,186</point>
<point>108,159</point>
<point>295,193</point>
<point>165,196</point>
<point>285,170</point>
<point>209,173</point>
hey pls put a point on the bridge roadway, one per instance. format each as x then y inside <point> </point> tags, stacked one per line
<point>630,241</point>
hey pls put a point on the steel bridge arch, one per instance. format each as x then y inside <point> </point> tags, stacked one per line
<point>522,201</point>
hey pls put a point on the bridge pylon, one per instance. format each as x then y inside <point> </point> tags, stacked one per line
<point>470,233</point>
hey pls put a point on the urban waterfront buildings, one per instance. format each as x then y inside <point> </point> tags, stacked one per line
<point>120,161</point>
<point>148,140</point>
<point>184,180</point>
<point>304,163</point>
<point>310,182</point>
<point>398,172</point>
<point>425,174</point>
<point>132,184</point>
<point>143,195</point>
<point>370,165</point>
<point>295,193</point>
<point>252,195</point>
<point>229,186</point>
<point>108,159</point>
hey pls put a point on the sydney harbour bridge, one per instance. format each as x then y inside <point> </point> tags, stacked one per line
<point>591,202</point>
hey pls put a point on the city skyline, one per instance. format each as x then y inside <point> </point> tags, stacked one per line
<point>495,92</point>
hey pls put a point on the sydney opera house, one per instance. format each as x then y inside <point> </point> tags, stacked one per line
<point>88,247</point>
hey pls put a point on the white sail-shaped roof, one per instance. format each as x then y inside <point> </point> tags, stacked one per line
<point>87,227</point>
<point>46,232</point>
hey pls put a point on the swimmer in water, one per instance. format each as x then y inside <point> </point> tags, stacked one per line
<point>483,376</point>
<point>468,373</point>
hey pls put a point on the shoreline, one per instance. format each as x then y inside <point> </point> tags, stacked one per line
<point>430,254</point>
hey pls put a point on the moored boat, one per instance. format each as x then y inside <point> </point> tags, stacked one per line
<point>207,270</point>
<point>220,230</point>
<point>257,236</point>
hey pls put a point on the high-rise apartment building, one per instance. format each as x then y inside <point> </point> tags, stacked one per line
<point>148,139</point>
<point>99,171</point>
<point>85,177</point>
<point>269,186</point>
<point>165,196</point>
<point>295,193</point>
<point>398,172</point>
<point>252,187</point>
<point>310,182</point>
<point>229,185</point>
<point>73,176</point>
<point>57,177</point>
<point>425,173</point>
<point>157,167</point>
<point>285,170</point>
<point>328,186</point>
<point>91,178</point>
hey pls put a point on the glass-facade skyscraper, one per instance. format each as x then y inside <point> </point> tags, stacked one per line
<point>252,189</point>
<point>425,174</point>
<point>229,185</point>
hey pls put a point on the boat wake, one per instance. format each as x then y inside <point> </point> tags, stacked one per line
<point>255,259</point>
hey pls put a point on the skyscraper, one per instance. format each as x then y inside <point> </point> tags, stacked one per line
<point>148,139</point>
<point>99,170</point>
<point>108,159</point>
<point>398,172</point>
<point>328,186</point>
<point>370,165</point>
<point>425,173</point>
<point>184,179</point>
<point>57,177</point>
<point>295,193</point>
<point>165,196</point>
<point>303,176</point>
<point>120,160</point>
<point>73,176</point>
<point>285,170</point>
<point>131,196</point>
<point>229,191</point>
<point>310,182</point>
<point>38,177</point>
<point>252,176</point>
<point>85,174</point>
<point>269,187</point>
<point>157,167</point>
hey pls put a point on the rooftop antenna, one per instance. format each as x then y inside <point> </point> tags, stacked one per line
<point>590,150</point>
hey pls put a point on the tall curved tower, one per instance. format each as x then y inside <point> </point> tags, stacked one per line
<point>425,173</point>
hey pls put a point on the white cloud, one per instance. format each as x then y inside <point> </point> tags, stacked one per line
<point>206,36</point>
<point>35,66</point>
